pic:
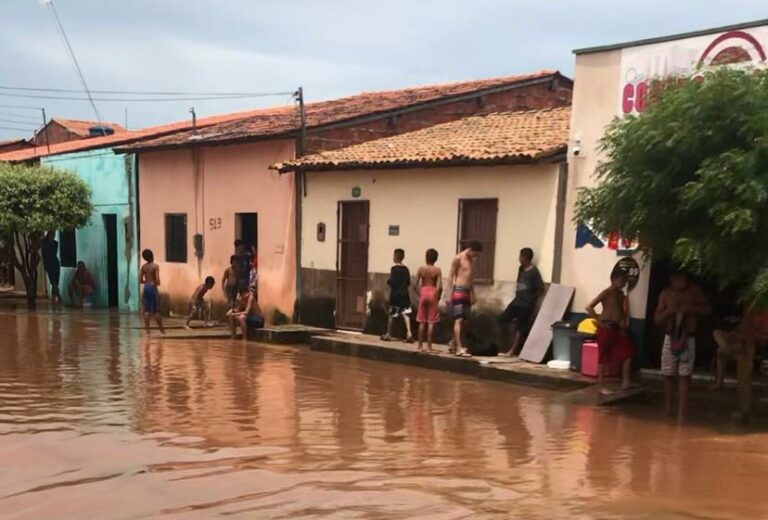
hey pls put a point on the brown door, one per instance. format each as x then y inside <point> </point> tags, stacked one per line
<point>352,264</point>
<point>477,221</point>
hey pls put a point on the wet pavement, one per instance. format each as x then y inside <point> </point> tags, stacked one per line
<point>99,421</point>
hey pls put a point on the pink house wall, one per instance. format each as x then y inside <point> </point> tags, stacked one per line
<point>228,180</point>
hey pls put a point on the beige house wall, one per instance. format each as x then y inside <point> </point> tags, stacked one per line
<point>424,203</point>
<point>228,180</point>
<point>595,103</point>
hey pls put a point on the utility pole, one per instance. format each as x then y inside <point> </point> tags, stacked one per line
<point>301,147</point>
<point>45,130</point>
<point>194,119</point>
<point>300,191</point>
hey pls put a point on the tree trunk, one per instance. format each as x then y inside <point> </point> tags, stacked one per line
<point>31,285</point>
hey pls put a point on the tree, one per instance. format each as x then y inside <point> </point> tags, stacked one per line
<point>688,178</point>
<point>33,200</point>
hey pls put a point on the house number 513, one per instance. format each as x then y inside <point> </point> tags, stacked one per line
<point>214,223</point>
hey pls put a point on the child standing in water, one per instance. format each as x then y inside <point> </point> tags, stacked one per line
<point>429,283</point>
<point>399,298</point>
<point>149,276</point>
<point>612,340</point>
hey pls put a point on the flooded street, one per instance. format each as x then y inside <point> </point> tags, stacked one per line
<point>97,421</point>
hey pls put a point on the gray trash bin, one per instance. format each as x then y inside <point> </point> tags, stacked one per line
<point>561,340</point>
<point>576,340</point>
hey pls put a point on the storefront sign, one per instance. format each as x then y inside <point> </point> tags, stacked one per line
<point>688,58</point>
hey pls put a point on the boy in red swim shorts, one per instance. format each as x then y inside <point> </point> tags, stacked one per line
<point>612,340</point>
<point>429,284</point>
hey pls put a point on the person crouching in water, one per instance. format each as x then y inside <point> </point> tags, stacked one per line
<point>248,314</point>
<point>613,344</point>
<point>198,305</point>
<point>429,283</point>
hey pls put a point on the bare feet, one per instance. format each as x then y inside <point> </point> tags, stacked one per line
<point>409,339</point>
<point>386,337</point>
<point>606,391</point>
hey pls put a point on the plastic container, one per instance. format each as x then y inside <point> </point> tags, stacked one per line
<point>559,365</point>
<point>576,339</point>
<point>561,341</point>
<point>590,359</point>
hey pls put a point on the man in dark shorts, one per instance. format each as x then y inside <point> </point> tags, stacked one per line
<point>399,297</point>
<point>518,314</point>
<point>50,251</point>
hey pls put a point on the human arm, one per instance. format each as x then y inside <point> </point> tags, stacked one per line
<point>454,270</point>
<point>663,309</point>
<point>157,276</point>
<point>439,284</point>
<point>142,275</point>
<point>594,303</point>
<point>419,277</point>
<point>224,278</point>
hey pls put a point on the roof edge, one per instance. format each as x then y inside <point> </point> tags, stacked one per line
<point>548,156</point>
<point>673,37</point>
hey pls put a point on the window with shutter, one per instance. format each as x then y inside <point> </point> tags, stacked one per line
<point>477,221</point>
<point>176,237</point>
<point>68,248</point>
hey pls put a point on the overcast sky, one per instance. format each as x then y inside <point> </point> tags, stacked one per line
<point>330,47</point>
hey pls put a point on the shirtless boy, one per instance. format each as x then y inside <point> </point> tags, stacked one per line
<point>429,284</point>
<point>198,303</point>
<point>230,281</point>
<point>149,276</point>
<point>612,341</point>
<point>678,310</point>
<point>462,294</point>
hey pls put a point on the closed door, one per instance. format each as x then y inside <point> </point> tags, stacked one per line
<point>352,264</point>
<point>110,228</point>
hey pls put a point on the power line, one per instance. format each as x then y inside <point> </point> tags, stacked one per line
<point>17,121</point>
<point>21,116</point>
<point>142,92</point>
<point>74,58</point>
<point>22,107</point>
<point>143,100</point>
<point>14,129</point>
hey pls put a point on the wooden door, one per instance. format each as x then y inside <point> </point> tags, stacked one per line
<point>477,221</point>
<point>352,264</point>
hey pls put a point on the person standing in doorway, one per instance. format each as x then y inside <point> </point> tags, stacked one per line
<point>462,295</point>
<point>399,296</point>
<point>52,266</point>
<point>429,284</point>
<point>149,276</point>
<point>519,313</point>
<point>243,265</point>
<point>678,310</point>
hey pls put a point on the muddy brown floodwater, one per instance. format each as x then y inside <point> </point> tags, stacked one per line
<point>97,421</point>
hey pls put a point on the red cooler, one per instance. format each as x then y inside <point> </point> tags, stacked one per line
<point>590,359</point>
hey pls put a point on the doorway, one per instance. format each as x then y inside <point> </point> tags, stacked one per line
<point>352,264</point>
<point>110,227</point>
<point>247,229</point>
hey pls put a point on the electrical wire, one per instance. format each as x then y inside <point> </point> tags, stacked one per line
<point>14,129</point>
<point>20,116</point>
<point>74,59</point>
<point>22,107</point>
<point>142,100</point>
<point>143,92</point>
<point>16,121</point>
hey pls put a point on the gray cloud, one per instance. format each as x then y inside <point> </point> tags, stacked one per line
<point>330,47</point>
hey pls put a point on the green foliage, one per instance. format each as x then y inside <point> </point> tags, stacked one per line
<point>34,199</point>
<point>688,178</point>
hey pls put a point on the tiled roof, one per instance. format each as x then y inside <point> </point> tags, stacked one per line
<point>285,120</point>
<point>498,138</point>
<point>82,128</point>
<point>120,138</point>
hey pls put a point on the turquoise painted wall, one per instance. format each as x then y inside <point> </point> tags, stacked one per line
<point>112,180</point>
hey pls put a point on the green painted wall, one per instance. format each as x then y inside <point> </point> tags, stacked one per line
<point>112,180</point>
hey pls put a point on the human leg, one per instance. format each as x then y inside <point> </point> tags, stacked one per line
<point>721,358</point>
<point>243,327</point>
<point>430,336</point>
<point>422,335</point>
<point>388,335</point>
<point>159,321</point>
<point>685,372</point>
<point>409,334</point>
<point>669,369</point>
